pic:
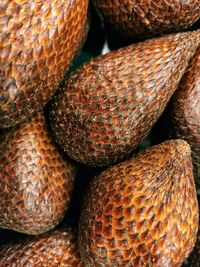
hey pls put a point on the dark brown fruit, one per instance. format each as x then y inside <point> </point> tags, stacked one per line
<point>142,212</point>
<point>52,249</point>
<point>144,18</point>
<point>38,40</point>
<point>35,181</point>
<point>185,112</point>
<point>112,102</point>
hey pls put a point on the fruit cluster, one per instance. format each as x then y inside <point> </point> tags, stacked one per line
<point>99,151</point>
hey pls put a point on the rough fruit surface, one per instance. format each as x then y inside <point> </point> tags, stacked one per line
<point>142,212</point>
<point>52,249</point>
<point>185,112</point>
<point>142,18</point>
<point>35,180</point>
<point>38,40</point>
<point>111,103</point>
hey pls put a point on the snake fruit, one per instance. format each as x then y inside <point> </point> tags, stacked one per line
<point>112,102</point>
<point>145,18</point>
<point>35,180</point>
<point>184,112</point>
<point>142,212</point>
<point>56,248</point>
<point>38,40</point>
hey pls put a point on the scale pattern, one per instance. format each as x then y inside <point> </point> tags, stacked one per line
<point>111,103</point>
<point>35,180</point>
<point>185,112</point>
<point>142,212</point>
<point>142,18</point>
<point>38,40</point>
<point>52,249</point>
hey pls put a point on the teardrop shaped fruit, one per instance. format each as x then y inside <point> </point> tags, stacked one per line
<point>112,102</point>
<point>55,248</point>
<point>35,180</point>
<point>38,41</point>
<point>142,212</point>
<point>184,119</point>
<point>144,18</point>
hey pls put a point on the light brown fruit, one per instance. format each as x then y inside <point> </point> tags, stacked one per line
<point>35,180</point>
<point>112,102</point>
<point>52,249</point>
<point>143,212</point>
<point>184,110</point>
<point>148,17</point>
<point>38,40</point>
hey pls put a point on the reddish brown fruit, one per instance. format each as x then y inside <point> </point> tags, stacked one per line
<point>194,258</point>
<point>52,249</point>
<point>144,18</point>
<point>185,112</point>
<point>111,103</point>
<point>38,41</point>
<point>35,181</point>
<point>142,212</point>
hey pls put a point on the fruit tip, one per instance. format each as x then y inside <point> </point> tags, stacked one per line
<point>183,147</point>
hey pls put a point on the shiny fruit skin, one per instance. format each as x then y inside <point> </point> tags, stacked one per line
<point>52,249</point>
<point>36,181</point>
<point>110,104</point>
<point>142,212</point>
<point>184,111</point>
<point>38,41</point>
<point>145,18</point>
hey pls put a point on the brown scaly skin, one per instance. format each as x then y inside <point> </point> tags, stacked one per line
<point>52,249</point>
<point>35,181</point>
<point>194,258</point>
<point>142,212</point>
<point>133,18</point>
<point>185,112</point>
<point>38,42</point>
<point>112,102</point>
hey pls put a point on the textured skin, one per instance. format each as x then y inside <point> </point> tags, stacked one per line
<point>149,17</point>
<point>52,249</point>
<point>38,40</point>
<point>194,258</point>
<point>185,112</point>
<point>112,102</point>
<point>143,212</point>
<point>35,181</point>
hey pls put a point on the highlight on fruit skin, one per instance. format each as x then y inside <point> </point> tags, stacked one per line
<point>39,40</point>
<point>110,104</point>
<point>36,181</point>
<point>184,110</point>
<point>55,248</point>
<point>142,212</point>
<point>141,19</point>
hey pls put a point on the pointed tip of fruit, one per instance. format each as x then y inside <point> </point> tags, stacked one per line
<point>183,147</point>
